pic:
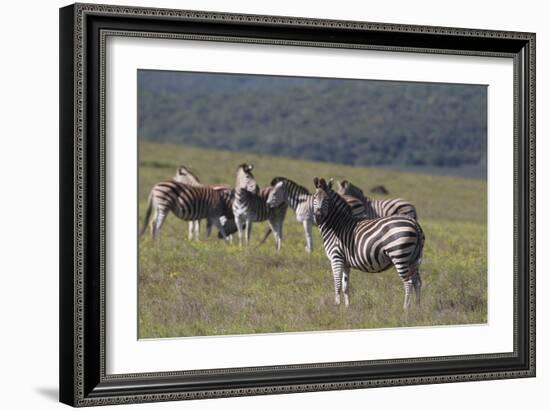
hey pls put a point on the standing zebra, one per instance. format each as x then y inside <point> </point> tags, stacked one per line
<point>186,202</point>
<point>186,176</point>
<point>367,245</point>
<point>379,208</point>
<point>301,201</point>
<point>250,206</point>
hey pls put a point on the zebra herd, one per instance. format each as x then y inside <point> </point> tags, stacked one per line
<point>357,232</point>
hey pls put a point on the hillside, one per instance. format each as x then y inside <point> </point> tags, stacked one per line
<point>211,288</point>
<point>354,122</point>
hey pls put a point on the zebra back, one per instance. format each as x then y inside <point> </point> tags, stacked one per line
<point>357,207</point>
<point>186,201</point>
<point>393,206</point>
<point>378,208</point>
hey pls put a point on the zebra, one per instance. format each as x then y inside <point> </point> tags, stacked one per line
<point>366,245</point>
<point>186,202</point>
<point>186,176</point>
<point>301,201</point>
<point>379,208</point>
<point>250,206</point>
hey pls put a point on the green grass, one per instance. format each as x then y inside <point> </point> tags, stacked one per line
<point>211,288</point>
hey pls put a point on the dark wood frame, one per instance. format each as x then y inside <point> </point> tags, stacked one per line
<point>83,29</point>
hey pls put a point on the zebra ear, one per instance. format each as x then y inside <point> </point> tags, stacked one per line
<point>330,183</point>
<point>323,184</point>
<point>250,167</point>
<point>316,182</point>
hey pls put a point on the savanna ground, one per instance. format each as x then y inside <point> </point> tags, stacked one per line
<point>207,287</point>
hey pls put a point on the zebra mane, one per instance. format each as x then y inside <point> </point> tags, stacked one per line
<point>352,190</point>
<point>188,171</point>
<point>297,186</point>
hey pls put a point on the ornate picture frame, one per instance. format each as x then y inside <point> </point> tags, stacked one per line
<point>84,30</point>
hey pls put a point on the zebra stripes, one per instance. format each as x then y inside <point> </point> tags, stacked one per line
<point>378,208</point>
<point>300,200</point>
<point>366,245</point>
<point>186,202</point>
<point>186,176</point>
<point>353,234</point>
<point>250,206</point>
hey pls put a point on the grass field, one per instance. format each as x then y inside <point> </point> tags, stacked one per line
<point>207,287</point>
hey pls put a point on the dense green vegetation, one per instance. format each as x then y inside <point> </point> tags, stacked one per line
<point>208,287</point>
<point>354,122</point>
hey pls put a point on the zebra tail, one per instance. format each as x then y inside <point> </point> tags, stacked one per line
<point>147,215</point>
<point>267,233</point>
<point>420,244</point>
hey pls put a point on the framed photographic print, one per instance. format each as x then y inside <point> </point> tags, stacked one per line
<point>261,204</point>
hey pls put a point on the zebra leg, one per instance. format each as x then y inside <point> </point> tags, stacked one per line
<point>209,228</point>
<point>337,268</point>
<point>280,231</point>
<point>157,222</point>
<point>219,226</point>
<point>345,284</point>
<point>417,283</point>
<point>408,275</point>
<point>248,231</point>
<point>191,228</point>
<point>238,220</point>
<point>277,230</point>
<point>197,228</point>
<point>309,240</point>
<point>408,284</point>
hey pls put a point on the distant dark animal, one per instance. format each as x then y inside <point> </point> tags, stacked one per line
<point>379,208</point>
<point>366,245</point>
<point>379,190</point>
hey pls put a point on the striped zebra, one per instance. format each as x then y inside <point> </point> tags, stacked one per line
<point>367,245</point>
<point>379,208</point>
<point>250,206</point>
<point>186,202</point>
<point>186,176</point>
<point>301,201</point>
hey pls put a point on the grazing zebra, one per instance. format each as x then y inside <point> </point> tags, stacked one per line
<point>379,208</point>
<point>367,245</point>
<point>185,175</point>
<point>301,201</point>
<point>186,202</point>
<point>250,206</point>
